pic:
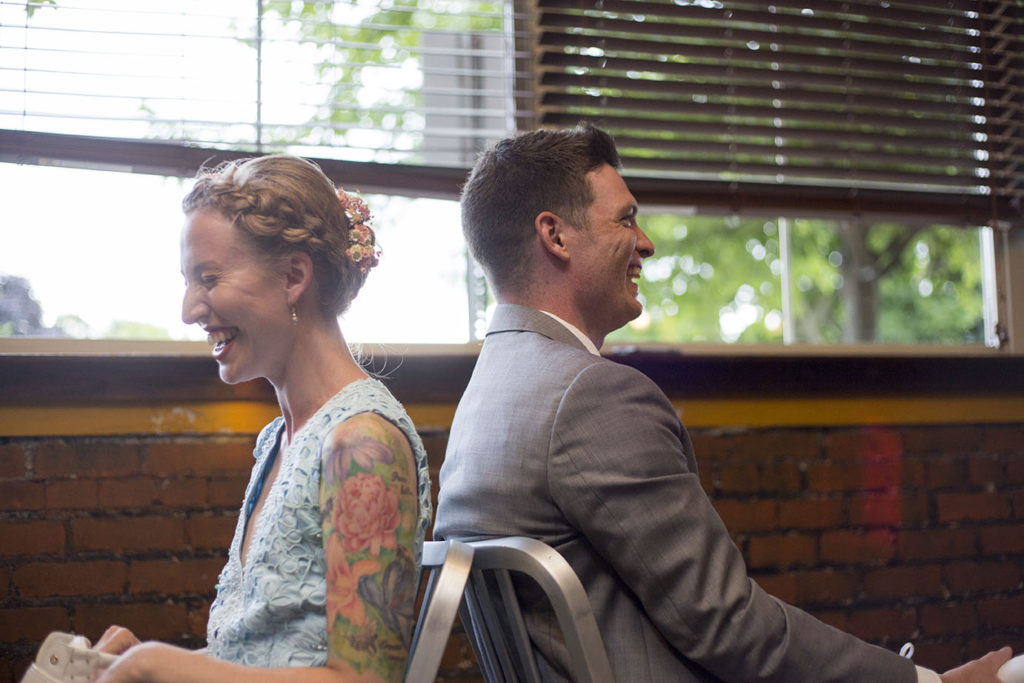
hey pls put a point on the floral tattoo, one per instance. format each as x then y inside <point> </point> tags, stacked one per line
<point>368,506</point>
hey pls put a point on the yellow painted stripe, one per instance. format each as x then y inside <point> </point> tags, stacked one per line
<point>226,417</point>
<point>246,417</point>
<point>799,412</point>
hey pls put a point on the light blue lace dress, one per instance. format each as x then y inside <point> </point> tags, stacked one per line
<point>273,612</point>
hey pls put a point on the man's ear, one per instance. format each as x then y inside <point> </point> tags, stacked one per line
<point>298,275</point>
<point>551,233</point>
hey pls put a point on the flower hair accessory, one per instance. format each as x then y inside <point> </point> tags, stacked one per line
<point>361,249</point>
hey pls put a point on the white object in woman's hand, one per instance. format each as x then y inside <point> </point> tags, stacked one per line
<point>1012,671</point>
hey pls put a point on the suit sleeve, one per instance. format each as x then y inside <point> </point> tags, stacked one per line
<point>619,470</point>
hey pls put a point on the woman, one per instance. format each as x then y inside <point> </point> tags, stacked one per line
<point>322,570</point>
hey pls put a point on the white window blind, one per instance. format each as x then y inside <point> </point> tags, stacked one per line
<point>425,82</point>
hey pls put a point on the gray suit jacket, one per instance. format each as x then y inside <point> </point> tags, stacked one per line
<point>589,456</point>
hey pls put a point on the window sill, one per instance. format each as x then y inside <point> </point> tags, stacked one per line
<point>34,370</point>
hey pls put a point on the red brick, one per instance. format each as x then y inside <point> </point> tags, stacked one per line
<point>228,491</point>
<point>709,446</point>
<point>174,576</point>
<point>31,537</point>
<point>825,586</point>
<point>897,623</point>
<point>740,478</point>
<point>941,440</point>
<point>934,544</point>
<point>888,509</point>
<point>1001,612</point>
<point>160,621</point>
<point>128,533</point>
<point>782,586</point>
<point>31,623</point>
<point>986,470</point>
<point>707,476</point>
<point>904,582</point>
<point>783,476</point>
<point>963,577</point>
<point>73,494</point>
<point>778,550</point>
<point>210,531</point>
<point>981,506</point>
<point>948,619</point>
<point>864,445</point>
<point>1015,471</point>
<point>776,445</point>
<point>18,663</point>
<point>834,618</point>
<point>811,513</point>
<point>830,477</point>
<point>197,618</point>
<point>748,515</point>
<point>883,475</point>
<point>945,473</point>
<point>206,457</point>
<point>941,656</point>
<point>979,646</point>
<point>183,492</point>
<point>758,478</point>
<point>1017,501</point>
<point>853,547</point>
<point>12,461</point>
<point>21,495</point>
<point>47,579</point>
<point>96,459</point>
<point>1002,539</point>
<point>1007,439</point>
<point>134,492</point>
<point>912,474</point>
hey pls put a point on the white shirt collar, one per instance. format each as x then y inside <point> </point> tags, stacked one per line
<point>584,339</point>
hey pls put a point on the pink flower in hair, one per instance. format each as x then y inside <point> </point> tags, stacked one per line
<point>362,251</point>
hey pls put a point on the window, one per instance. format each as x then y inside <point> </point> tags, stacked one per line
<point>861,160</point>
<point>101,250</point>
<point>777,280</point>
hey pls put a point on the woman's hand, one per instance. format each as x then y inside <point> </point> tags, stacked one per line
<point>981,670</point>
<point>148,662</point>
<point>116,640</point>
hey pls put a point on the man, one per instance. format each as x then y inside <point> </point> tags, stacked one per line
<point>554,442</point>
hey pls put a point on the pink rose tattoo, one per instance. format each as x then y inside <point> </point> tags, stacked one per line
<point>368,514</point>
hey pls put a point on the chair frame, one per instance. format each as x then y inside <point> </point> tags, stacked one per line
<point>447,564</point>
<point>503,662</point>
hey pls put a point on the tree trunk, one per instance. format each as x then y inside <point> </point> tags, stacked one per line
<point>860,284</point>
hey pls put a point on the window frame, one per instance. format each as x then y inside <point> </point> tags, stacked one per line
<point>1001,212</point>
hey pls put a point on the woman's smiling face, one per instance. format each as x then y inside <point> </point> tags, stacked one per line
<point>236,297</point>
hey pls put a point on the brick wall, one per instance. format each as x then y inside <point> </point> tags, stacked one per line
<point>128,530</point>
<point>883,494</point>
<point>896,533</point>
<point>893,534</point>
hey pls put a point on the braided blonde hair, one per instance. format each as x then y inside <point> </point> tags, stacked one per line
<point>281,204</point>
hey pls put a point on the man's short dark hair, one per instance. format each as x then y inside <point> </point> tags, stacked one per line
<point>521,177</point>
